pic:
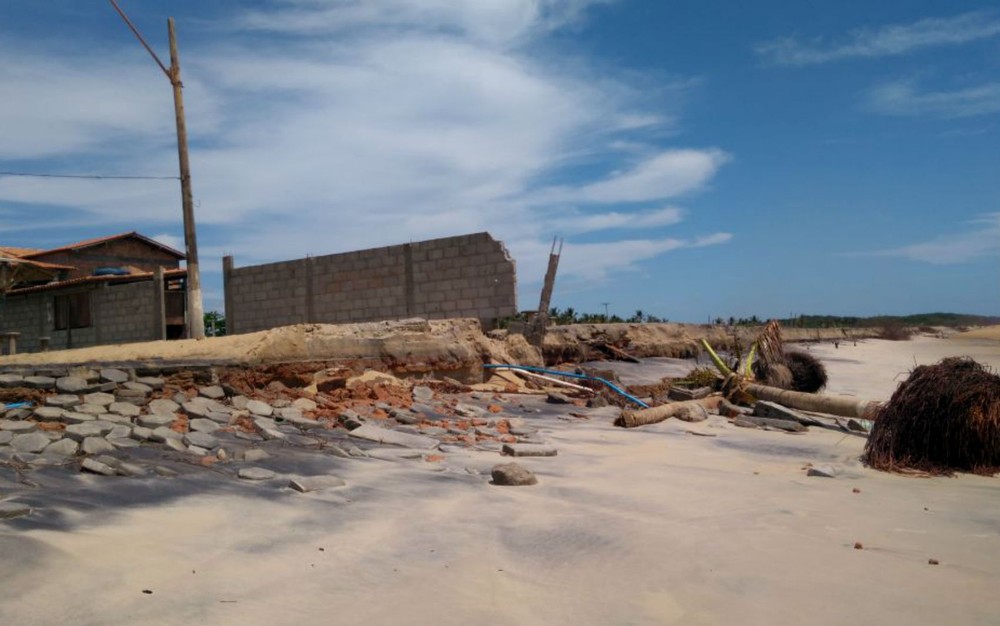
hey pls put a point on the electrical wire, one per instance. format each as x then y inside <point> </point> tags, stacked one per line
<point>87,176</point>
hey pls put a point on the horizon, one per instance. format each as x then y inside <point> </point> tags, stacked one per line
<point>700,161</point>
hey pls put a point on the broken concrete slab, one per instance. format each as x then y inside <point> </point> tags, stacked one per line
<point>163,406</point>
<point>825,471</point>
<point>112,375</point>
<point>63,400</point>
<point>72,417</point>
<point>30,442</point>
<point>257,407</point>
<point>123,442</point>
<point>683,393</point>
<point>17,426</point>
<point>125,408</point>
<point>757,422</point>
<point>255,454</point>
<point>71,384</point>
<point>91,409</point>
<point>528,449</point>
<point>213,392</point>
<point>382,435</point>
<point>152,382</point>
<point>155,420</point>
<point>176,445</point>
<point>203,425</point>
<point>201,439</point>
<point>40,382</point>
<point>99,398</point>
<point>10,380</point>
<point>65,447</point>
<point>162,434</point>
<point>48,413</point>
<point>10,510</point>
<point>141,433</point>
<point>305,484</point>
<point>255,473</point>
<point>764,408</point>
<point>96,467</point>
<point>96,445</point>
<point>304,404</point>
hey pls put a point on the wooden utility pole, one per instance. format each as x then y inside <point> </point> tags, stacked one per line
<point>195,309</point>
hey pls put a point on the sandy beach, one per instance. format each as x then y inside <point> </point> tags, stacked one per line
<point>648,526</point>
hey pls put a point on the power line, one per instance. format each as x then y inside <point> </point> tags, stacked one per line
<point>87,176</point>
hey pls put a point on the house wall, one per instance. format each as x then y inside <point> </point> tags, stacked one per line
<point>465,276</point>
<point>116,253</point>
<point>120,314</point>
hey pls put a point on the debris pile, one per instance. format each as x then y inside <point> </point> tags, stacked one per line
<point>141,422</point>
<point>943,418</point>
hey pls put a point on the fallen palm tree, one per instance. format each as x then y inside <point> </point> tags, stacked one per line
<point>656,414</point>
<point>843,406</point>
<point>788,378</point>
<point>943,418</point>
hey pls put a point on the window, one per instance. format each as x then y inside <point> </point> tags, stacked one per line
<point>72,311</point>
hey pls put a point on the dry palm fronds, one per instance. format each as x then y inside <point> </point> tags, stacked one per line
<point>770,347</point>
<point>943,418</point>
<point>808,373</point>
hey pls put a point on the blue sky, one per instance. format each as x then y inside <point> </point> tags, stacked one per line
<point>700,159</point>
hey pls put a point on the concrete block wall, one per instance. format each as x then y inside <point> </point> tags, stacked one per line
<point>119,314</point>
<point>27,315</point>
<point>465,276</point>
<point>124,313</point>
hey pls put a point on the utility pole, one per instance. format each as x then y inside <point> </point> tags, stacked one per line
<point>195,308</point>
<point>606,318</point>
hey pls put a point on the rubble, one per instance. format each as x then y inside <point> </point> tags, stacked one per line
<point>237,421</point>
<point>513,475</point>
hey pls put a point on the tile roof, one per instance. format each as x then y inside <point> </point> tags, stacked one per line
<point>87,243</point>
<point>84,280</point>
<point>15,251</point>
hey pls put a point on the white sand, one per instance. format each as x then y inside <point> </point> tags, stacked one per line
<point>651,526</point>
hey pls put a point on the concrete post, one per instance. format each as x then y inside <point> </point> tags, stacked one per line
<point>159,321</point>
<point>409,288</point>
<point>227,287</point>
<point>310,305</point>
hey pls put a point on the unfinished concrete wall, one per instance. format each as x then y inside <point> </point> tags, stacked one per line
<point>465,276</point>
<point>119,314</point>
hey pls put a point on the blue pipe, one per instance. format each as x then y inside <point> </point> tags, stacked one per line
<point>540,370</point>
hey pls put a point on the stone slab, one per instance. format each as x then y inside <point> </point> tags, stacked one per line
<point>383,435</point>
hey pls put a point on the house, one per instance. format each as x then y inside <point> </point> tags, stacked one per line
<point>117,289</point>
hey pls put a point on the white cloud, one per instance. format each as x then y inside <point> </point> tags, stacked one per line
<point>980,242</point>
<point>377,123</point>
<point>171,241</point>
<point>891,40</point>
<point>590,263</point>
<point>71,104</point>
<point>903,98</point>
<point>667,174</point>
<point>573,222</point>
<point>483,21</point>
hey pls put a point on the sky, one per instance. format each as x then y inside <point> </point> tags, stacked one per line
<point>700,159</point>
